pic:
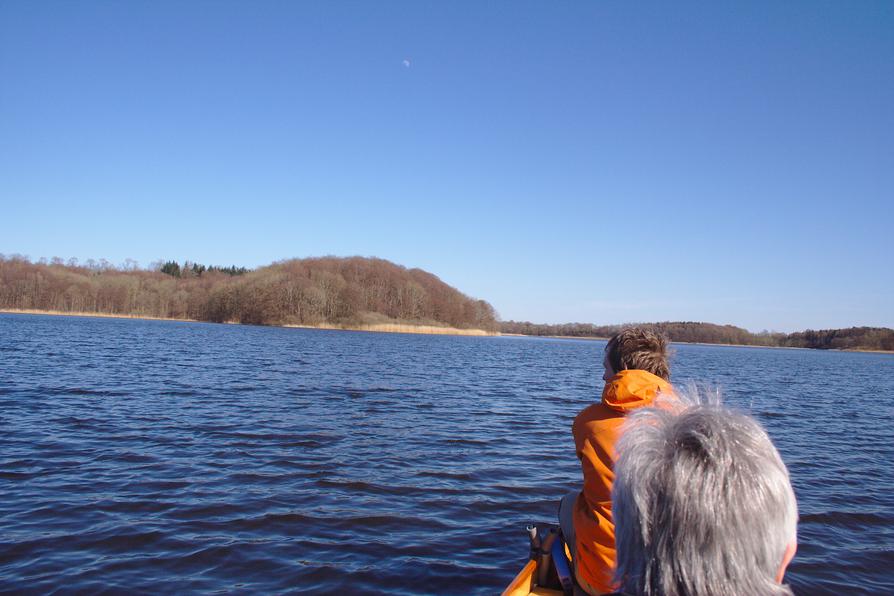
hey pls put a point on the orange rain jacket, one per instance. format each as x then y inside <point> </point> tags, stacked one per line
<point>596,430</point>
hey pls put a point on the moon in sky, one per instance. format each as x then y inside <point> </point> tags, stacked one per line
<point>406,63</point>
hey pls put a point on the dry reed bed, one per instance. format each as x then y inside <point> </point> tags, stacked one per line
<point>376,327</point>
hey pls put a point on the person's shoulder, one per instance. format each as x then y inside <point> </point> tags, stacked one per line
<point>595,409</point>
<point>595,415</point>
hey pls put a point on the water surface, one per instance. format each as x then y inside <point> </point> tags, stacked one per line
<point>155,456</point>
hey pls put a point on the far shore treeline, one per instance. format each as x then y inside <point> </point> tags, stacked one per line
<point>315,291</point>
<point>352,292</point>
<point>854,338</point>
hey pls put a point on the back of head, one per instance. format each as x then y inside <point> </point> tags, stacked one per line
<point>702,505</point>
<point>636,348</point>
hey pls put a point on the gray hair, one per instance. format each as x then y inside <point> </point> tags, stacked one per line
<point>702,504</point>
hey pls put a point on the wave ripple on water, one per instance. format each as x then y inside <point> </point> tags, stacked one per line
<point>156,456</point>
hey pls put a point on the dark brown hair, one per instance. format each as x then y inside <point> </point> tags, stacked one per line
<point>640,349</point>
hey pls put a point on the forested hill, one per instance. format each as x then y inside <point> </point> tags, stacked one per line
<point>854,338</point>
<point>314,291</point>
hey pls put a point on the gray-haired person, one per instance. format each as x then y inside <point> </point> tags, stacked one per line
<point>702,505</point>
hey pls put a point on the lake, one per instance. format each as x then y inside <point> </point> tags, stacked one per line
<point>159,456</point>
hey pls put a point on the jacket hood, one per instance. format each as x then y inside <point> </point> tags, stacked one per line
<point>631,389</point>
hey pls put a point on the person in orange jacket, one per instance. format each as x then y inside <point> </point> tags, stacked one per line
<point>636,372</point>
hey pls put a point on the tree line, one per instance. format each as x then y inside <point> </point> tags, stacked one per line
<point>341,291</point>
<point>188,269</point>
<point>854,338</point>
<point>312,291</point>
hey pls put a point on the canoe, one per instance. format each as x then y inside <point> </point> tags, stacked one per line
<point>547,569</point>
<point>525,584</point>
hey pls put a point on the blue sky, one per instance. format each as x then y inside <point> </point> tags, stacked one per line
<point>593,162</point>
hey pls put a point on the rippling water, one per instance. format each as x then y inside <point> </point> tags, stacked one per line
<point>153,456</point>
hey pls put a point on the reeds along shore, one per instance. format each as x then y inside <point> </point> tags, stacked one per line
<point>402,328</point>
<point>101,315</point>
<point>376,328</point>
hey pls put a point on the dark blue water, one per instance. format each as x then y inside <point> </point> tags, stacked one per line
<point>149,456</point>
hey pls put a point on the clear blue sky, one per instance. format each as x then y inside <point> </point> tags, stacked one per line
<point>593,162</point>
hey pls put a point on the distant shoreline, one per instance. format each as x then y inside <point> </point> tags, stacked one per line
<point>701,343</point>
<point>402,328</point>
<point>689,343</point>
<point>373,328</point>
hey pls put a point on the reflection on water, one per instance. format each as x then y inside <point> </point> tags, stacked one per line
<point>163,456</point>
